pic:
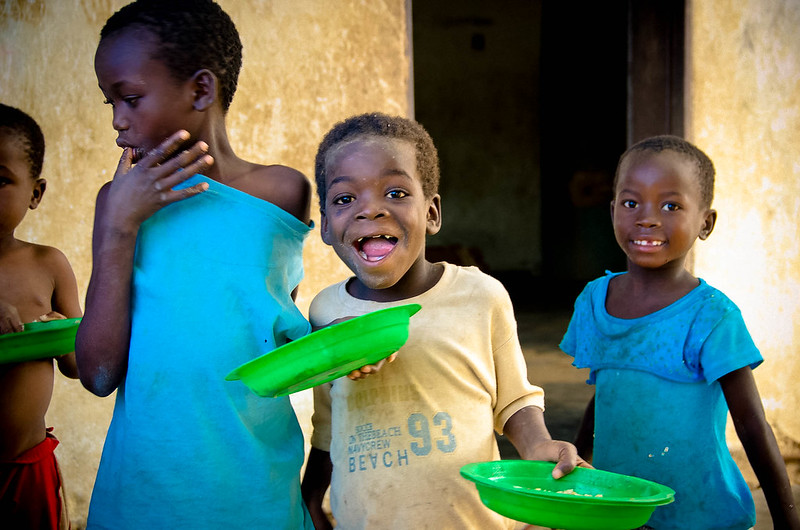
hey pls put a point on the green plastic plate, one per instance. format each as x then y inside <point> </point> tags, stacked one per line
<point>327,354</point>
<point>586,499</point>
<point>39,340</point>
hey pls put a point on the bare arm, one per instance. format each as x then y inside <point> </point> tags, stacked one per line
<point>527,431</point>
<point>759,443</point>
<point>122,206</point>
<point>65,301</point>
<point>316,480</point>
<point>102,343</point>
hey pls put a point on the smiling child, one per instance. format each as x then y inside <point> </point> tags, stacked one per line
<point>391,445</point>
<point>670,355</point>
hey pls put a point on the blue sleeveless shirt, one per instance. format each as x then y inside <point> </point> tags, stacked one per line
<point>211,289</point>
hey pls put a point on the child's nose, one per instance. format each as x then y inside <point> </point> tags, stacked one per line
<point>648,217</point>
<point>120,121</point>
<point>371,210</point>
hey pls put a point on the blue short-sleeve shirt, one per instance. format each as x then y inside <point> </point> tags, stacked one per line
<point>660,412</point>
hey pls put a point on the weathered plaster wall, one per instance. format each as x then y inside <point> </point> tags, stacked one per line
<point>744,110</point>
<point>307,64</point>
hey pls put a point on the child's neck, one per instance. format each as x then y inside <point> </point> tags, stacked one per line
<point>418,280</point>
<point>9,242</point>
<point>641,292</point>
<point>227,165</point>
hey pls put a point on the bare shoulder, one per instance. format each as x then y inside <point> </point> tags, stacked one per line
<point>50,256</point>
<point>24,253</point>
<point>283,186</point>
<point>56,265</point>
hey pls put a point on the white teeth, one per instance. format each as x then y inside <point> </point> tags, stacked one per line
<point>646,243</point>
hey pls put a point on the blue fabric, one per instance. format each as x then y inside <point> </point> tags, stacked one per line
<point>186,449</point>
<point>660,412</point>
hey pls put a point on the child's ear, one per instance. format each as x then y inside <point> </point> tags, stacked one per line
<point>38,192</point>
<point>708,224</point>
<point>323,228</point>
<point>434,223</point>
<point>205,89</point>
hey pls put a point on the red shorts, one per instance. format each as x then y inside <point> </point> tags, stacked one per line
<point>30,489</point>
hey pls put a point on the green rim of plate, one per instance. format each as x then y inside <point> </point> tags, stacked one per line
<point>328,353</point>
<point>39,340</point>
<point>524,490</point>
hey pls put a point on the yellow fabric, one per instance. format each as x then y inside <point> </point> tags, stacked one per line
<point>399,437</point>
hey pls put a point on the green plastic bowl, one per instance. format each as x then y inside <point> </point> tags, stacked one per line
<point>586,499</point>
<point>327,354</point>
<point>39,340</point>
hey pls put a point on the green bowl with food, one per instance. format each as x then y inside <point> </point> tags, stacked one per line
<point>586,499</point>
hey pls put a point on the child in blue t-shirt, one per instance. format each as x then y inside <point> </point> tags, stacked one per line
<point>670,355</point>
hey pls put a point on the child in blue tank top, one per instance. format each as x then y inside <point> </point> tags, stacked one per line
<point>670,355</point>
<point>193,275</point>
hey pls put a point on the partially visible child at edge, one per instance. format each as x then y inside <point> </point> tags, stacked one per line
<point>193,275</point>
<point>36,284</point>
<point>391,445</point>
<point>670,355</point>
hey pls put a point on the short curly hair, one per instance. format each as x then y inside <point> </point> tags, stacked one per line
<point>376,124</point>
<point>666,142</point>
<point>20,124</point>
<point>192,34</point>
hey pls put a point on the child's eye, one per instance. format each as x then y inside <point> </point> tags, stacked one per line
<point>396,194</point>
<point>628,203</point>
<point>670,207</point>
<point>131,100</point>
<point>343,199</point>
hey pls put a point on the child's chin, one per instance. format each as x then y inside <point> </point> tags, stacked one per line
<point>376,282</point>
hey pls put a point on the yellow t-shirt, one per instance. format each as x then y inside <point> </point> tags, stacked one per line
<point>399,437</point>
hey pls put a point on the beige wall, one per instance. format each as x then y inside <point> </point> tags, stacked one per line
<point>744,110</point>
<point>307,64</point>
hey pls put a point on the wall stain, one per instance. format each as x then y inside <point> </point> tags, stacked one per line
<point>31,11</point>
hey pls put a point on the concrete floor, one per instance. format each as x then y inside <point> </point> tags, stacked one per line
<point>566,392</point>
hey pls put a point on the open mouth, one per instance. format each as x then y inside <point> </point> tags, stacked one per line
<point>375,248</point>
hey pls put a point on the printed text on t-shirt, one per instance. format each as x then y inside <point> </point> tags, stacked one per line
<point>371,447</point>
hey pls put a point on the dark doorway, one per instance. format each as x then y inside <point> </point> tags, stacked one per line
<point>530,104</point>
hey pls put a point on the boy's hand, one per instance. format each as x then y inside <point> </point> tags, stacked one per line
<point>564,454</point>
<point>52,315</point>
<point>137,192</point>
<point>9,319</point>
<point>527,431</point>
<point>370,369</point>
